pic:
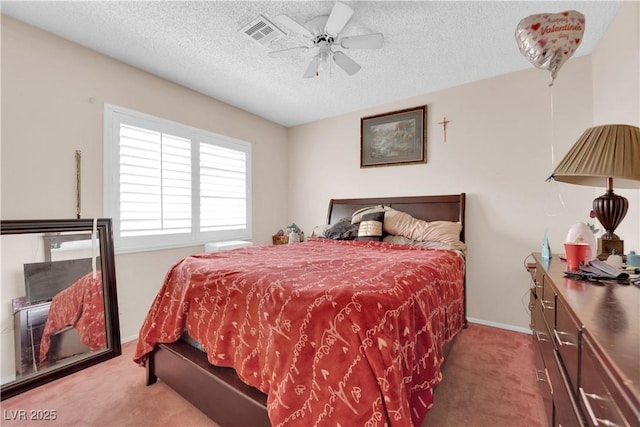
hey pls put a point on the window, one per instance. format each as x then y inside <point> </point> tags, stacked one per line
<point>170,185</point>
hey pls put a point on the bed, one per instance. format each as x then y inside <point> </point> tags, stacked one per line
<point>75,323</point>
<point>69,316</point>
<point>326,332</point>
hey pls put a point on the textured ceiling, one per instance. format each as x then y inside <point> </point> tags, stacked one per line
<point>428,46</point>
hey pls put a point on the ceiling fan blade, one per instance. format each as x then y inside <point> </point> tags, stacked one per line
<point>286,21</point>
<point>340,15</point>
<point>288,52</point>
<point>347,64</point>
<point>312,69</point>
<point>365,41</point>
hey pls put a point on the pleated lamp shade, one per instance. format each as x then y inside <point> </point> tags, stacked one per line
<point>605,155</point>
<point>602,152</point>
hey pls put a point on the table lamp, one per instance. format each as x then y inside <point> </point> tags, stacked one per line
<point>601,155</point>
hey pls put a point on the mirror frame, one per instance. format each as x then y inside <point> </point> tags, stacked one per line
<point>112,324</point>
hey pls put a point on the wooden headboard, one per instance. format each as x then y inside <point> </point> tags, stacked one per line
<point>427,208</point>
<point>44,280</point>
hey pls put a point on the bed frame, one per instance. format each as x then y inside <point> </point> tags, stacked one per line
<point>43,281</point>
<point>215,390</point>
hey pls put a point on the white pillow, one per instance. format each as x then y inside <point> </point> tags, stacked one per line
<point>356,217</point>
<point>401,240</point>
<point>403,224</point>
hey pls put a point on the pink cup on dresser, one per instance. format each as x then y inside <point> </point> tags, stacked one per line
<point>576,253</point>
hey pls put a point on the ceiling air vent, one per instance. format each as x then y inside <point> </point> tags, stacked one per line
<point>262,31</point>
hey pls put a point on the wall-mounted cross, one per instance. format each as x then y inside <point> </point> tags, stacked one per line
<point>444,123</point>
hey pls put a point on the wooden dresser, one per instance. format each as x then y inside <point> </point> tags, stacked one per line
<point>588,336</point>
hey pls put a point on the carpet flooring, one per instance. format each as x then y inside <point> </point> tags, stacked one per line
<point>488,381</point>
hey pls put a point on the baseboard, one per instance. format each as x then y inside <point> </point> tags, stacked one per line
<point>128,339</point>
<point>499,325</point>
<point>7,379</point>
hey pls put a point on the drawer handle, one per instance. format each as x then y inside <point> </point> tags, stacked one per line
<point>595,420</point>
<point>544,379</point>
<point>538,334</point>
<point>546,373</point>
<point>547,305</point>
<point>557,334</point>
<point>587,404</point>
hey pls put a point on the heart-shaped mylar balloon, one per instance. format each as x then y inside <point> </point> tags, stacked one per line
<point>547,40</point>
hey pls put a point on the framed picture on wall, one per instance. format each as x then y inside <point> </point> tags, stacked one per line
<point>395,138</point>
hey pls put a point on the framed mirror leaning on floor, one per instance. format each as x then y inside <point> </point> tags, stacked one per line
<point>58,303</point>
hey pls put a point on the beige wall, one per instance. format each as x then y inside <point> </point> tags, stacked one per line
<point>616,96</point>
<point>53,93</point>
<point>499,151</point>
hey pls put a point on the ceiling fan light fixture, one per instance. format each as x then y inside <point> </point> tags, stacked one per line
<point>324,52</point>
<point>323,67</point>
<point>324,34</point>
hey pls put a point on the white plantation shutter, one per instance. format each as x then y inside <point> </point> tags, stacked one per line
<point>155,182</point>
<point>169,185</point>
<point>223,182</point>
<point>176,184</point>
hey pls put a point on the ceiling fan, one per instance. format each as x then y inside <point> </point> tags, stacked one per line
<point>324,33</point>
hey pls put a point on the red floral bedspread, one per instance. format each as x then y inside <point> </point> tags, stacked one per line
<point>334,332</point>
<point>81,305</point>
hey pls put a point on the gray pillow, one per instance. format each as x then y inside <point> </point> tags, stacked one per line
<point>342,230</point>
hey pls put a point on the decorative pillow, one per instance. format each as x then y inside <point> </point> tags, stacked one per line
<point>356,217</point>
<point>401,240</point>
<point>342,230</point>
<point>403,224</point>
<point>371,226</point>
<point>320,230</point>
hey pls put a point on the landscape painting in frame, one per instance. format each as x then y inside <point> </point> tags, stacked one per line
<point>395,138</point>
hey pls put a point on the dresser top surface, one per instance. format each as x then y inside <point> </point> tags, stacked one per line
<point>609,315</point>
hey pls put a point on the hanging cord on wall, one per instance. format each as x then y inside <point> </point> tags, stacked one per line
<point>78,170</point>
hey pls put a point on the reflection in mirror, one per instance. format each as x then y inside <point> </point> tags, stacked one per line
<point>58,309</point>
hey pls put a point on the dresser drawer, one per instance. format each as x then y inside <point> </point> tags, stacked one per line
<point>532,303</point>
<point>567,339</point>
<point>542,376</point>
<point>589,341</point>
<point>595,391</point>
<point>552,375</point>
<point>548,302</point>
<point>542,334</point>
<point>567,412</point>
<point>538,278</point>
